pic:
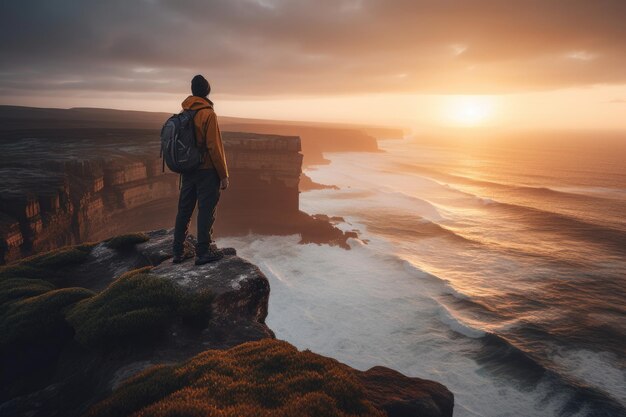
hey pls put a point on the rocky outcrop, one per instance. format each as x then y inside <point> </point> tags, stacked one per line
<point>69,186</point>
<point>145,335</point>
<point>307,184</point>
<point>45,380</point>
<point>400,396</point>
<point>315,139</point>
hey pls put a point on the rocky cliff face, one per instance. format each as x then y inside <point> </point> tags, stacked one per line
<point>74,185</point>
<point>114,329</point>
<point>315,140</point>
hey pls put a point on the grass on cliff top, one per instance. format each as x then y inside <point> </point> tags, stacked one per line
<point>264,378</point>
<point>14,289</point>
<point>47,265</point>
<point>136,306</point>
<point>31,311</point>
<point>126,242</point>
<point>50,265</point>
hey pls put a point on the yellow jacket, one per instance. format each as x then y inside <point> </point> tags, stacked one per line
<point>208,134</point>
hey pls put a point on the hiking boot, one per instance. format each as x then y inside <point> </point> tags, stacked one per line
<point>229,251</point>
<point>180,257</point>
<point>211,255</point>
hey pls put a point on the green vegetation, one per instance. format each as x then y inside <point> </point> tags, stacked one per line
<point>126,242</point>
<point>195,308</point>
<point>35,316</point>
<point>39,320</point>
<point>265,378</point>
<point>135,306</point>
<point>32,309</point>
<point>47,265</point>
<point>13,289</point>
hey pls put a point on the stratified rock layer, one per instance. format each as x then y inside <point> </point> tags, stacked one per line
<point>66,186</point>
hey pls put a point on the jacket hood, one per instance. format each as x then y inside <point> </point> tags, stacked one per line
<point>197,103</point>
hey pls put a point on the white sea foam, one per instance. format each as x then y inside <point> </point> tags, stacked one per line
<point>364,308</point>
<point>602,370</point>
<point>457,325</point>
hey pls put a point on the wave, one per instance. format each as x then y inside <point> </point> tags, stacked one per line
<point>563,199</point>
<point>500,356</point>
<point>541,220</point>
<point>559,223</point>
<point>572,227</point>
<point>504,359</point>
<point>563,192</point>
<point>458,325</point>
<point>420,228</point>
<point>399,223</point>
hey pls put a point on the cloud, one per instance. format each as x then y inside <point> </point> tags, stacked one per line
<point>292,47</point>
<point>581,56</point>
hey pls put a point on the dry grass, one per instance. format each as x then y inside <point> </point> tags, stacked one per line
<point>126,242</point>
<point>265,378</point>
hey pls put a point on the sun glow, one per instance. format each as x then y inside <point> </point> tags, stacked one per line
<point>468,110</point>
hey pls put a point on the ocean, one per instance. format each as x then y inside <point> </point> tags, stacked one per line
<point>495,268</point>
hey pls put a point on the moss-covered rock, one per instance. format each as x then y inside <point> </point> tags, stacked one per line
<point>195,308</point>
<point>34,319</point>
<point>13,289</point>
<point>126,242</point>
<point>34,332</point>
<point>265,378</point>
<point>47,265</point>
<point>136,306</point>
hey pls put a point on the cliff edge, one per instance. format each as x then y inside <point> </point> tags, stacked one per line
<point>114,329</point>
<point>67,186</point>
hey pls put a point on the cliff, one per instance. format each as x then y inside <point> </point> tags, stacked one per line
<point>316,137</point>
<point>66,186</point>
<point>315,140</point>
<point>114,329</point>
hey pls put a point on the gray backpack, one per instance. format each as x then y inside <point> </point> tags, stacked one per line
<point>179,149</point>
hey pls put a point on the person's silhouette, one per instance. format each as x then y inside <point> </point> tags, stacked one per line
<point>203,185</point>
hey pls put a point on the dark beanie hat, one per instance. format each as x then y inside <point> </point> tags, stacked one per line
<point>200,86</point>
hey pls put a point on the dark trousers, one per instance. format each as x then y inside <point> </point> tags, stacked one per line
<point>203,187</point>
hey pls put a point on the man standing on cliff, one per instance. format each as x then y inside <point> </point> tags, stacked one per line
<point>204,185</point>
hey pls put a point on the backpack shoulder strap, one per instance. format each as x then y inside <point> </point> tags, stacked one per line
<point>207,107</point>
<point>187,115</point>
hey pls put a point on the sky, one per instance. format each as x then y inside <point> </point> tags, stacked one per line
<point>414,63</point>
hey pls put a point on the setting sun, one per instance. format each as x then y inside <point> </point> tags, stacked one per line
<point>468,110</point>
